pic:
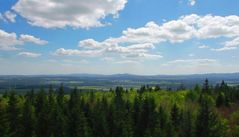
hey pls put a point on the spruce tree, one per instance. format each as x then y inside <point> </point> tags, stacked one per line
<point>206,88</point>
<point>3,118</point>
<point>220,100</point>
<point>175,116</point>
<point>13,111</point>
<point>60,119</point>
<point>29,118</point>
<point>42,124</point>
<point>188,124</point>
<point>77,123</point>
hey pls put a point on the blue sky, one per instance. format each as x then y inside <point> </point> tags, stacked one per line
<point>119,36</point>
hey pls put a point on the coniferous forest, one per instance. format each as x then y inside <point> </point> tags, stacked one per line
<point>204,111</point>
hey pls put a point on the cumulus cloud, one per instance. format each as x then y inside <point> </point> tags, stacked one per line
<point>180,30</point>
<point>192,2</point>
<point>70,52</point>
<point>1,16</point>
<point>8,16</point>
<point>132,51</point>
<point>62,13</point>
<point>9,41</point>
<point>89,44</point>
<point>29,54</point>
<point>203,47</point>
<point>32,39</point>
<point>232,43</point>
<point>139,42</point>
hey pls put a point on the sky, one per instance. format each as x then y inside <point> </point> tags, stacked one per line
<point>146,37</point>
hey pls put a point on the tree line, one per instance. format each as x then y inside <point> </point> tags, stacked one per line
<point>146,112</point>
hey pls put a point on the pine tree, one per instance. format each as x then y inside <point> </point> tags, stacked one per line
<point>28,119</point>
<point>225,89</point>
<point>217,127</point>
<point>208,124</point>
<point>145,118</point>
<point>188,124</point>
<point>60,96</point>
<point>220,100</point>
<point>162,123</point>
<point>41,107</point>
<point>78,125</point>
<point>175,116</point>
<point>13,115</point>
<point>206,88</point>
<point>157,88</point>
<point>202,123</point>
<point>3,118</point>
<point>51,110</point>
<point>60,119</point>
<point>127,130</point>
<point>60,122</point>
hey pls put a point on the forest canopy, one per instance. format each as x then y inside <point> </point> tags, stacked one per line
<point>204,111</point>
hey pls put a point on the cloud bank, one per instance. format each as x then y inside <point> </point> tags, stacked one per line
<point>138,42</point>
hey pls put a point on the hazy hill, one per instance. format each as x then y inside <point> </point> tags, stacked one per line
<point>93,81</point>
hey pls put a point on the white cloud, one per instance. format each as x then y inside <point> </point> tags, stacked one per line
<point>1,17</point>
<point>72,62</point>
<point>217,26</point>
<point>29,54</point>
<point>191,62</point>
<point>180,30</point>
<point>224,49</point>
<point>108,59</point>
<point>203,47</point>
<point>62,13</point>
<point>132,51</point>
<point>139,42</point>
<point>32,39</point>
<point>127,62</point>
<point>89,44</point>
<point>9,41</point>
<point>192,2</point>
<point>10,16</point>
<point>75,52</point>
<point>232,43</point>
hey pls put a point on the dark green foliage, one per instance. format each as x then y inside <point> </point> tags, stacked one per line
<point>220,100</point>
<point>157,88</point>
<point>28,118</point>
<point>206,88</point>
<point>208,123</point>
<point>175,116</point>
<point>42,120</point>
<point>13,112</point>
<point>188,124</point>
<point>3,119</point>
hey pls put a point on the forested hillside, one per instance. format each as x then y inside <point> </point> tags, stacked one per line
<point>205,111</point>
